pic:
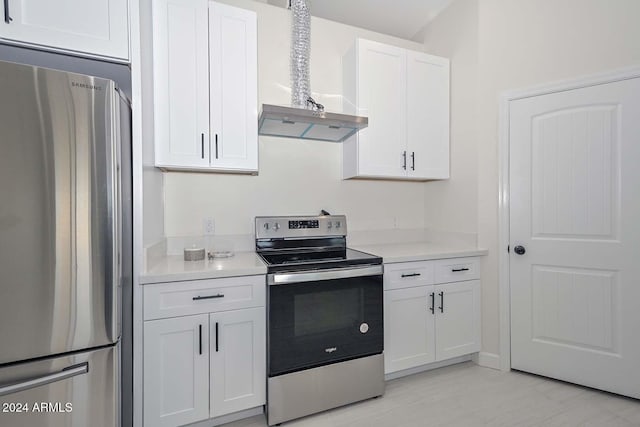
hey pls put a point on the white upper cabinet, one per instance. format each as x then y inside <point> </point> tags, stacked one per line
<point>405,95</point>
<point>181,79</point>
<point>233,87</point>
<point>427,116</point>
<point>205,86</point>
<point>86,27</point>
<point>381,87</point>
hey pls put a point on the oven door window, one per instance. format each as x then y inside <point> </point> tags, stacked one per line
<point>318,323</point>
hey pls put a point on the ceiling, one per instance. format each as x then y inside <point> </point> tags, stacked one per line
<point>400,18</point>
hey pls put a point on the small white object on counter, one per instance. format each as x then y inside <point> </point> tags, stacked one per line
<point>422,251</point>
<point>173,268</point>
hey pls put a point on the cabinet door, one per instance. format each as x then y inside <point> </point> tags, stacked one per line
<point>427,116</point>
<point>382,86</point>
<point>176,371</point>
<point>238,360</point>
<point>457,319</point>
<point>408,328</point>
<point>181,83</point>
<point>96,27</point>
<point>234,93</point>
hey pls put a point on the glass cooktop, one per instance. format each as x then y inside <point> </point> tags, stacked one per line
<point>310,260</point>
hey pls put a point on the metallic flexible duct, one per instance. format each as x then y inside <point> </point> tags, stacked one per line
<point>300,48</point>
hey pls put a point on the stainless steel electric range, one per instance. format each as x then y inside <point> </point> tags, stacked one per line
<point>325,320</point>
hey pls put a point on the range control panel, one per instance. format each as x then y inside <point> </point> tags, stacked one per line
<point>270,227</point>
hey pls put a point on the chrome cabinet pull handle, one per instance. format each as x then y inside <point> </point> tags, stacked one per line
<point>404,160</point>
<point>433,303</point>
<point>441,302</point>
<point>413,160</point>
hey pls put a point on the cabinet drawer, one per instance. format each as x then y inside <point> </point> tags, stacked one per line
<point>203,296</point>
<point>408,274</point>
<point>456,269</point>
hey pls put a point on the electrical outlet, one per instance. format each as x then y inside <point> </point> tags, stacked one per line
<point>208,226</point>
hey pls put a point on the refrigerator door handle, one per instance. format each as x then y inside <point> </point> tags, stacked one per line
<point>116,226</point>
<point>66,373</point>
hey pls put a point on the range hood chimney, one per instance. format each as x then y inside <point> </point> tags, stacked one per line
<point>305,119</point>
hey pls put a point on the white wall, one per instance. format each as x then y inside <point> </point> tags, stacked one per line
<point>452,205</point>
<point>152,191</point>
<point>296,177</point>
<point>520,44</point>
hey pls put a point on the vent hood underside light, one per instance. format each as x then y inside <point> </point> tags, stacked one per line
<point>290,122</point>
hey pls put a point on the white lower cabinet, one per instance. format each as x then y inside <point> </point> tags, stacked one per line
<point>238,357</point>
<point>408,329</point>
<point>201,366</point>
<point>176,371</point>
<point>426,322</point>
<point>457,318</point>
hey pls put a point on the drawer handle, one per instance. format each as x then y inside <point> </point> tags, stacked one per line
<point>456,270</point>
<point>410,275</point>
<point>198,298</point>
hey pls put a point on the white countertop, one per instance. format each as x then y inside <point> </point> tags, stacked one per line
<point>173,268</point>
<point>405,252</point>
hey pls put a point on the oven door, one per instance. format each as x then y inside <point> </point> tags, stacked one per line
<point>322,317</point>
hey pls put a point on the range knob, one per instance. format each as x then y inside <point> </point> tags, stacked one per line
<point>329,225</point>
<point>276,226</point>
<point>337,224</point>
<point>266,226</point>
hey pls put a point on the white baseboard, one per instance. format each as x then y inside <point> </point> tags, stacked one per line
<point>229,418</point>
<point>238,416</point>
<point>487,360</point>
<point>428,367</point>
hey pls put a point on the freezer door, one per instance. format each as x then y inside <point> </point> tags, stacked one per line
<point>73,391</point>
<point>59,212</point>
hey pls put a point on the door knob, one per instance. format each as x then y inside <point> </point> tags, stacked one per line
<point>520,250</point>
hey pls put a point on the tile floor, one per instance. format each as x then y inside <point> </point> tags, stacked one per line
<point>469,395</point>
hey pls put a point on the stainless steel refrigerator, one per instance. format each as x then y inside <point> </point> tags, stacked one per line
<point>65,247</point>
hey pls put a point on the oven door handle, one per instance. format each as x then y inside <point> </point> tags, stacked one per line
<point>330,274</point>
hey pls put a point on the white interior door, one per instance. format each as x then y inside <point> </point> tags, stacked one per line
<point>575,205</point>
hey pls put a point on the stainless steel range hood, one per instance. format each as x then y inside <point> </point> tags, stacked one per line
<point>305,119</point>
<point>291,122</point>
